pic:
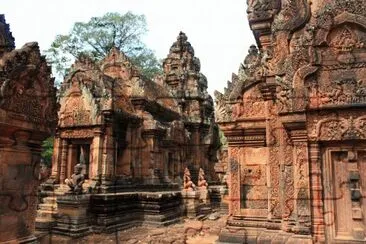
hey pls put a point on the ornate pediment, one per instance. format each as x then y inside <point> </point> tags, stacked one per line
<point>77,107</point>
<point>117,65</point>
<point>26,86</point>
<point>85,94</point>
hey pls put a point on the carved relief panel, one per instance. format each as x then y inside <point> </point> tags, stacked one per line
<point>253,180</point>
<point>338,88</point>
<point>341,80</point>
<point>252,105</point>
<point>234,180</point>
<point>345,43</point>
<point>74,109</point>
<point>337,126</point>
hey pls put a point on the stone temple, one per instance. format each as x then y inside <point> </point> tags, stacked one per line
<point>132,152</point>
<point>294,118</point>
<point>133,137</point>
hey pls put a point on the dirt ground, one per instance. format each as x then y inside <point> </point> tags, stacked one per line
<point>188,232</point>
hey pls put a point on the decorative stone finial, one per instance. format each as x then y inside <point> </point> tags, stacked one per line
<point>7,42</point>
<point>181,45</point>
<point>182,37</point>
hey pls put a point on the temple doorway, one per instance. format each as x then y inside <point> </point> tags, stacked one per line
<point>79,152</point>
<point>344,190</point>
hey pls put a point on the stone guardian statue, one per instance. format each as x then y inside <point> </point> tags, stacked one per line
<point>77,180</point>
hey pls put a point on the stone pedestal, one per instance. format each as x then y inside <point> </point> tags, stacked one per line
<point>204,200</point>
<point>204,196</point>
<point>224,203</point>
<point>191,203</point>
<point>73,215</point>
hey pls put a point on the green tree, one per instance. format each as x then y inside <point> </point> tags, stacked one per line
<point>95,39</point>
<point>223,139</point>
<point>47,150</point>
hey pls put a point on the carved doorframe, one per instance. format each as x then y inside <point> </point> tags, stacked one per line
<point>328,190</point>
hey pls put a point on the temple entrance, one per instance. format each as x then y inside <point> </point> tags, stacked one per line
<point>79,152</point>
<point>344,175</point>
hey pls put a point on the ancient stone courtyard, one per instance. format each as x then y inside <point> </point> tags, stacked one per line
<point>277,157</point>
<point>188,232</point>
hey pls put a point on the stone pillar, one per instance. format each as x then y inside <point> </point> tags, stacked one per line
<point>56,159</point>
<point>165,161</point>
<point>64,151</point>
<point>234,181</point>
<point>302,188</point>
<point>147,160</point>
<point>124,158</point>
<point>108,156</point>
<point>300,174</point>
<point>96,163</point>
<point>135,151</point>
<point>316,193</point>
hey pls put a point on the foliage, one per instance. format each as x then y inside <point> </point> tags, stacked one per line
<point>96,38</point>
<point>223,140</point>
<point>47,150</point>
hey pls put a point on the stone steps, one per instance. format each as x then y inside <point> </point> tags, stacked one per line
<point>45,214</point>
<point>48,207</point>
<point>50,200</point>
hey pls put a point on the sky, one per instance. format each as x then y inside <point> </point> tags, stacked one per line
<point>217,29</point>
